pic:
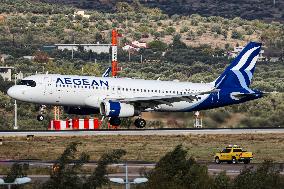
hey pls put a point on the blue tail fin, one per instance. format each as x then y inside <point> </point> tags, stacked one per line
<point>239,73</point>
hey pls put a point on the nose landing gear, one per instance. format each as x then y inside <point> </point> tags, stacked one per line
<point>42,111</point>
<point>116,121</point>
<point>40,117</point>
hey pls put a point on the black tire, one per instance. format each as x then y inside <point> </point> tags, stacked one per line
<point>234,160</point>
<point>40,117</point>
<point>140,123</point>
<point>115,121</point>
<point>217,160</point>
<point>246,161</point>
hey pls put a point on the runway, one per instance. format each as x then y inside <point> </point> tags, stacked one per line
<point>143,132</point>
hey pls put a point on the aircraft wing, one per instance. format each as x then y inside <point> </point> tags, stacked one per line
<point>156,100</point>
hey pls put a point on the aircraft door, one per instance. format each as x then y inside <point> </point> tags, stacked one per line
<point>47,84</point>
<point>215,97</point>
<point>118,90</point>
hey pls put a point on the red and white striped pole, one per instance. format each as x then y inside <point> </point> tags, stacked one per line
<point>114,63</point>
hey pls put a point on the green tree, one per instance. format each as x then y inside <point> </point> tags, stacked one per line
<point>216,28</point>
<point>175,170</point>
<point>5,85</point>
<point>236,35</point>
<point>64,174</point>
<point>124,7</point>
<point>222,181</point>
<point>157,45</point>
<point>17,171</point>
<point>98,177</point>
<point>266,176</point>
<point>170,30</point>
<point>177,43</point>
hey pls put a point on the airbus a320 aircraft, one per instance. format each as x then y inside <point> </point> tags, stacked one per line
<point>123,97</point>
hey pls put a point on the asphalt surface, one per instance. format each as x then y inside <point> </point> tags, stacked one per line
<point>142,132</point>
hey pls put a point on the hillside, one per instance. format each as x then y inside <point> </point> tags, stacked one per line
<point>57,24</point>
<point>247,9</point>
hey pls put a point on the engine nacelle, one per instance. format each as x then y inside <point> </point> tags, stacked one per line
<point>80,110</point>
<point>117,109</point>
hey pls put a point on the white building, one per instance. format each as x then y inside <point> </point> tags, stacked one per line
<point>3,57</point>
<point>6,73</point>
<point>96,48</point>
<point>82,13</point>
<point>139,44</point>
<point>237,50</point>
<point>29,57</point>
<point>130,47</point>
<point>135,46</point>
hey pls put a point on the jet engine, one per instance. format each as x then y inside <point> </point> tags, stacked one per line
<point>80,110</point>
<point>117,109</point>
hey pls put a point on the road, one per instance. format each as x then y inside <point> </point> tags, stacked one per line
<point>142,132</point>
<point>134,168</point>
<point>231,170</point>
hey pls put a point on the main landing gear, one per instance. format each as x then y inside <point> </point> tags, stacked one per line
<point>115,121</point>
<point>139,122</point>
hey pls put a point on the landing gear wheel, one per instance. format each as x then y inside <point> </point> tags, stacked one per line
<point>140,123</point>
<point>234,160</point>
<point>115,121</point>
<point>40,117</point>
<point>217,160</point>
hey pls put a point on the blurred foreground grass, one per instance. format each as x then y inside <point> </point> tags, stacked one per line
<point>145,148</point>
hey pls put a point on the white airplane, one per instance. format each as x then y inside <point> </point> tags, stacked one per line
<point>123,97</point>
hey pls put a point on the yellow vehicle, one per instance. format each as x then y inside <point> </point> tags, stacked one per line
<point>233,154</point>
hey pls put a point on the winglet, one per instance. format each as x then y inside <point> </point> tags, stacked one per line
<point>106,73</point>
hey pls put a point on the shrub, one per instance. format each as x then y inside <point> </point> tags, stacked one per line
<point>236,35</point>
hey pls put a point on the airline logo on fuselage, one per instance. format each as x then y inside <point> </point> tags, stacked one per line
<point>81,81</point>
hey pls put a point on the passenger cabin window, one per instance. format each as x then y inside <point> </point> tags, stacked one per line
<point>30,83</point>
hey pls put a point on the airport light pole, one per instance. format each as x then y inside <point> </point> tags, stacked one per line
<point>126,182</point>
<point>18,181</point>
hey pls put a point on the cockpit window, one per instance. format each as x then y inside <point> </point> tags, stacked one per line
<point>28,83</point>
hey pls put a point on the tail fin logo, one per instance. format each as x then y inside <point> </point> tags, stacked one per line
<point>245,68</point>
<point>239,74</point>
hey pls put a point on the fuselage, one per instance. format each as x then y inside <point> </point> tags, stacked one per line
<point>88,91</point>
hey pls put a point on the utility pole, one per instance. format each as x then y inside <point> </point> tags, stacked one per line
<point>16,108</point>
<point>73,37</point>
<point>126,181</point>
<point>127,185</point>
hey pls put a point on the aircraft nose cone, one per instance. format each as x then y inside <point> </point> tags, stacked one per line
<point>12,92</point>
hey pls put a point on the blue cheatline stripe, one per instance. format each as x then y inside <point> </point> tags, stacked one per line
<point>114,109</point>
